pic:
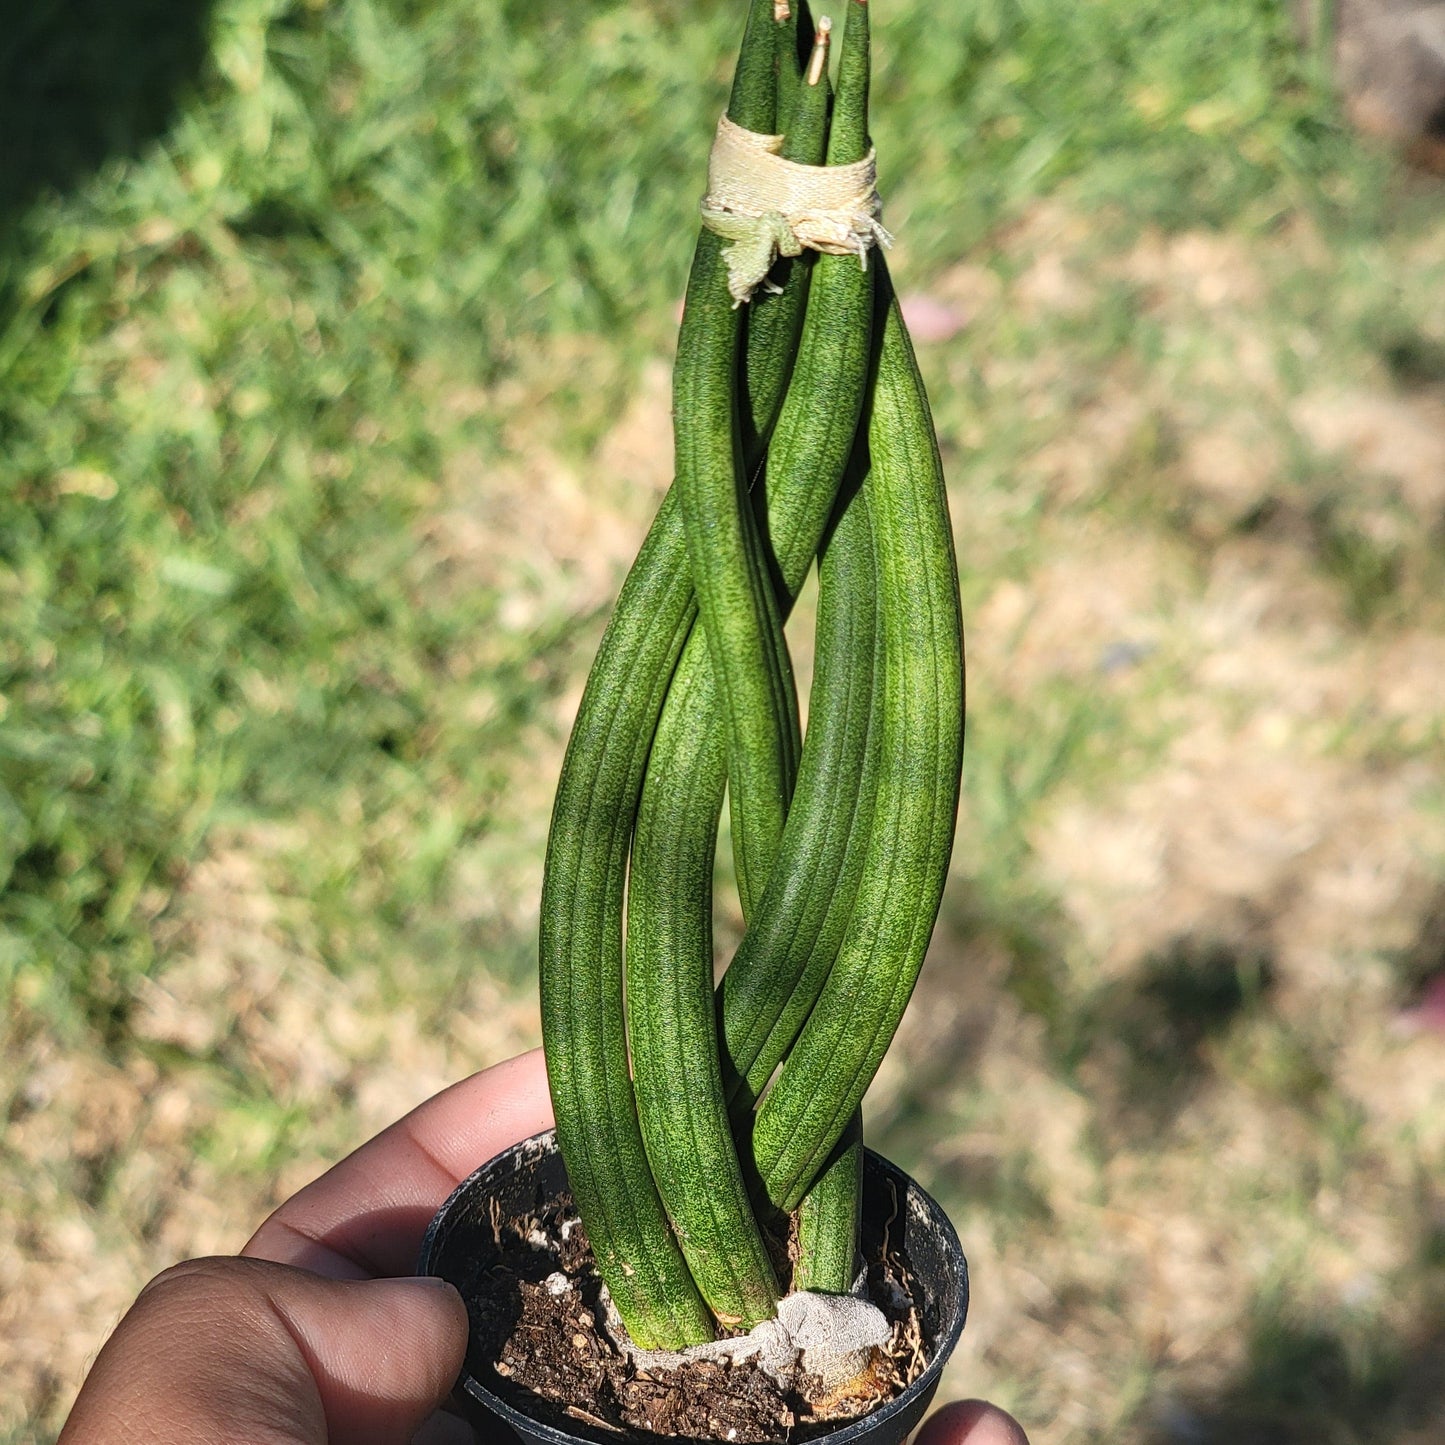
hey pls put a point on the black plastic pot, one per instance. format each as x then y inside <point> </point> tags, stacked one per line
<point>531,1173</point>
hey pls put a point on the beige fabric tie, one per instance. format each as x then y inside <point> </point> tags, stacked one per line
<point>767,206</point>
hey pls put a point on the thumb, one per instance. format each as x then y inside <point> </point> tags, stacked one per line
<point>971,1422</point>
<point>236,1349</point>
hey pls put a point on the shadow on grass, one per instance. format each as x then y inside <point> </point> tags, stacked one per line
<point>82,81</point>
<point>1424,958</point>
<point>1319,1382</point>
<point>1143,1044</point>
<point>1415,361</point>
<point>1141,1048</point>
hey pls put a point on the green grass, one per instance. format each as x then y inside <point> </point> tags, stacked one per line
<point>220,370</point>
<point>221,361</point>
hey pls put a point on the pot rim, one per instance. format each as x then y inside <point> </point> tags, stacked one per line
<point>847,1431</point>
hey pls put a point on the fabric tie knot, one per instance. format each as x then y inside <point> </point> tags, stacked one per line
<point>768,206</point>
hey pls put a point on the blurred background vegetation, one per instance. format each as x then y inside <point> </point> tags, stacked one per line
<point>333,403</point>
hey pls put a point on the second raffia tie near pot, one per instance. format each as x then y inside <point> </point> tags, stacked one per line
<point>465,1244</point>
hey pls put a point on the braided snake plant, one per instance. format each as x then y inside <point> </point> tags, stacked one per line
<point>696,1121</point>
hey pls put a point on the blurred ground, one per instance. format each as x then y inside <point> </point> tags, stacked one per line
<point>334,405</point>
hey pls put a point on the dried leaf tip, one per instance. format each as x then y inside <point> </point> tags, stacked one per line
<point>819,62</point>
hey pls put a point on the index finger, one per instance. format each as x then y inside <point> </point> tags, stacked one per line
<point>365,1217</point>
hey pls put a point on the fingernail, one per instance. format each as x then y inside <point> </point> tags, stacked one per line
<point>418,1286</point>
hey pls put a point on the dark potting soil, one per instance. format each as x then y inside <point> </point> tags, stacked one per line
<point>540,1340</point>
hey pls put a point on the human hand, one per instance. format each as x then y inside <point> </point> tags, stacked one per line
<point>310,1336</point>
<point>314,1334</point>
<point>971,1422</point>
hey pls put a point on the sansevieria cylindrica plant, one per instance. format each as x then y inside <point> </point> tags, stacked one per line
<point>695,1120</point>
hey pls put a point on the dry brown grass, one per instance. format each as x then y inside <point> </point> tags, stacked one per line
<point>1201,1176</point>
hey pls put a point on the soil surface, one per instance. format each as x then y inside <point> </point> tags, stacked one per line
<point>542,1340</point>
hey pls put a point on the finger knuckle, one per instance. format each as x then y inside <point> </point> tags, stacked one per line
<point>209,1276</point>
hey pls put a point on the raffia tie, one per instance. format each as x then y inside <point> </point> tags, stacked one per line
<point>769,207</point>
